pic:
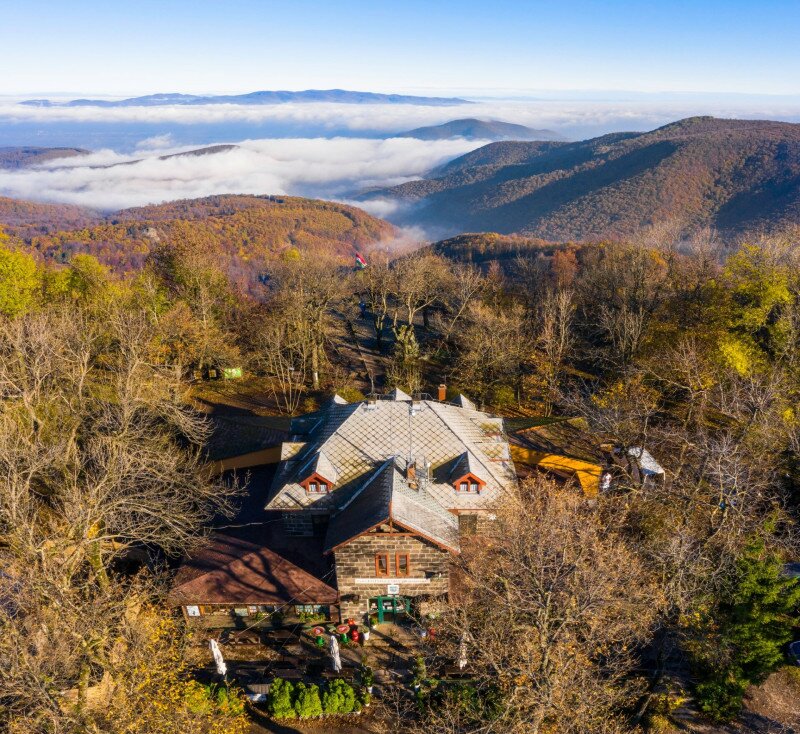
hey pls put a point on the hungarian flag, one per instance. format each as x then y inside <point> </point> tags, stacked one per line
<point>361,263</point>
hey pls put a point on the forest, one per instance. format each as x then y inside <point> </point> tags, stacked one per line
<point>602,617</point>
<point>733,175</point>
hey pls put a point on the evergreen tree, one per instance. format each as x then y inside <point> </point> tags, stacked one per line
<point>307,702</point>
<point>279,700</point>
<point>751,627</point>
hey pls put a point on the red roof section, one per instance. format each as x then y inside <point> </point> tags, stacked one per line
<point>232,571</point>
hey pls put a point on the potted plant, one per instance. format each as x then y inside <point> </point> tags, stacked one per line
<point>419,671</point>
<point>367,677</point>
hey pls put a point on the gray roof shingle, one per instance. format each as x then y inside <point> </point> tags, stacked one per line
<point>386,497</point>
<point>354,440</point>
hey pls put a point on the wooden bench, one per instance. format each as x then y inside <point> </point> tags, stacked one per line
<point>281,635</point>
<point>287,673</point>
<point>453,671</point>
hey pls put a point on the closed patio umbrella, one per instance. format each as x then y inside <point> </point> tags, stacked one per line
<point>336,659</point>
<point>462,652</point>
<point>222,669</point>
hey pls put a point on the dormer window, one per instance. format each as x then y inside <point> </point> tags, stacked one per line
<point>469,484</point>
<point>315,484</point>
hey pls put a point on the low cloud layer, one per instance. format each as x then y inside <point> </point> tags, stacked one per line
<point>318,149</point>
<point>575,116</point>
<point>333,168</point>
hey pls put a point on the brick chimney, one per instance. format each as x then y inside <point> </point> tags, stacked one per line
<point>411,475</point>
<point>442,392</point>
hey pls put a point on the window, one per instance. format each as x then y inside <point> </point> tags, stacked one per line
<point>310,609</point>
<point>401,564</point>
<point>469,483</point>
<point>381,564</point>
<point>315,485</point>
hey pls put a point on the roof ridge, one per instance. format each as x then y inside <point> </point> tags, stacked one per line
<point>465,444</point>
<point>366,484</point>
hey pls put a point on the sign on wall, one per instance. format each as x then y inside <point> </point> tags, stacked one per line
<point>193,611</point>
<point>393,589</point>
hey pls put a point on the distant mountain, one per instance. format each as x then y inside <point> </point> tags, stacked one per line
<point>208,150</point>
<point>733,175</point>
<point>22,157</point>
<point>474,129</point>
<point>342,96</point>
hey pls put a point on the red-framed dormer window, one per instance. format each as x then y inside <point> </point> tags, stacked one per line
<point>469,484</point>
<point>315,484</point>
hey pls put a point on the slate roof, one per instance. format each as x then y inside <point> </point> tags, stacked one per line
<point>467,464</point>
<point>365,448</point>
<point>370,507</point>
<point>386,496</point>
<point>357,438</point>
<point>234,571</point>
<point>236,435</point>
<point>463,402</point>
<point>325,468</point>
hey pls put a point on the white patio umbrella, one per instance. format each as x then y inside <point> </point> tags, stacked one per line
<point>462,652</point>
<point>222,669</point>
<point>336,659</point>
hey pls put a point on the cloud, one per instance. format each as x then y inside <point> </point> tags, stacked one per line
<point>575,115</point>
<point>318,149</point>
<point>330,168</point>
<point>157,142</point>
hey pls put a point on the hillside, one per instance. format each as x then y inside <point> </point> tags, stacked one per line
<point>474,129</point>
<point>240,232</point>
<point>342,96</point>
<point>489,247</point>
<point>27,219</point>
<point>734,175</point>
<point>21,157</point>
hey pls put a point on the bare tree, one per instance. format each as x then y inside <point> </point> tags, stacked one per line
<point>100,453</point>
<point>553,606</point>
<point>306,290</point>
<point>555,341</point>
<point>492,348</point>
<point>376,282</point>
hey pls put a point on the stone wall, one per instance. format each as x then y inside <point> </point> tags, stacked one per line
<point>298,523</point>
<point>355,570</point>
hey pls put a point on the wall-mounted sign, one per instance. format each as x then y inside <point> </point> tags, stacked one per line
<point>393,589</point>
<point>193,611</point>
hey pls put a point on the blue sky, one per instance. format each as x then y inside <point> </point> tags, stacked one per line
<point>121,47</point>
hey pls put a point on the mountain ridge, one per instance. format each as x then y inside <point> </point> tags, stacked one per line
<point>22,156</point>
<point>472,128</point>
<point>733,175</point>
<point>262,97</point>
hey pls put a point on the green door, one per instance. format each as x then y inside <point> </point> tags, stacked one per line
<point>393,605</point>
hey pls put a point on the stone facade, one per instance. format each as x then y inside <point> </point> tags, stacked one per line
<point>356,576</point>
<point>298,523</point>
